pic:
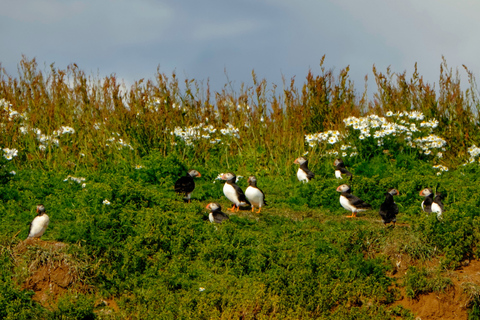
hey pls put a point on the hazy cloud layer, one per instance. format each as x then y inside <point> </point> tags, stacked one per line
<point>202,39</point>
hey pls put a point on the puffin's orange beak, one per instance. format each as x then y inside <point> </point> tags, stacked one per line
<point>208,206</point>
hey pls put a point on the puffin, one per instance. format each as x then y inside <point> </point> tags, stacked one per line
<point>254,194</point>
<point>233,192</point>
<point>351,202</point>
<point>432,204</point>
<point>39,223</point>
<point>303,173</point>
<point>389,209</point>
<point>340,169</point>
<point>427,203</point>
<point>216,215</point>
<point>186,185</point>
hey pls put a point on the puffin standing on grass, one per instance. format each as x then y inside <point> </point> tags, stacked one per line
<point>186,185</point>
<point>216,215</point>
<point>389,209</point>
<point>340,170</point>
<point>351,202</point>
<point>233,192</point>
<point>431,204</point>
<point>303,173</point>
<point>254,194</point>
<point>39,223</point>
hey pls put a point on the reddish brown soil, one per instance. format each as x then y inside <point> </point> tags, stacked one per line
<point>451,304</point>
<point>50,280</point>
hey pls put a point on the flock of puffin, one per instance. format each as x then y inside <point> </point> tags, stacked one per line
<point>255,197</point>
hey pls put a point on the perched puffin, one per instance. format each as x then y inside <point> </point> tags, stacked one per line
<point>216,215</point>
<point>186,185</point>
<point>427,203</point>
<point>303,173</point>
<point>351,202</point>
<point>340,169</point>
<point>39,223</point>
<point>389,209</point>
<point>233,192</point>
<point>254,194</point>
<point>431,204</point>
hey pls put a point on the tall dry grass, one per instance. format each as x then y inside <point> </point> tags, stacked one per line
<point>272,122</point>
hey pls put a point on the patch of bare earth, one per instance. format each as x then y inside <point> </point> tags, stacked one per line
<point>451,304</point>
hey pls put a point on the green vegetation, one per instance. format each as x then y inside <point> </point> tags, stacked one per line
<point>104,160</point>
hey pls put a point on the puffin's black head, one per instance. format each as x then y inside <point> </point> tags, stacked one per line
<point>213,206</point>
<point>229,177</point>
<point>393,192</point>
<point>338,162</point>
<point>40,209</point>
<point>426,192</point>
<point>344,188</point>
<point>194,173</point>
<point>252,181</point>
<point>300,160</point>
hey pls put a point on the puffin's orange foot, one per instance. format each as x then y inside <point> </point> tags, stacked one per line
<point>253,209</point>
<point>232,208</point>
<point>259,209</point>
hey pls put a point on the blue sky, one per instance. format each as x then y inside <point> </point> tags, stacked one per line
<point>209,39</point>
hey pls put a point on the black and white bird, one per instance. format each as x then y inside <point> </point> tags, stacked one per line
<point>233,192</point>
<point>340,169</point>
<point>216,215</point>
<point>303,173</point>
<point>254,194</point>
<point>427,203</point>
<point>351,202</point>
<point>389,209</point>
<point>185,185</point>
<point>432,204</point>
<point>39,223</point>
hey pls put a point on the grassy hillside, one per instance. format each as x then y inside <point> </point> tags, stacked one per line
<point>103,161</point>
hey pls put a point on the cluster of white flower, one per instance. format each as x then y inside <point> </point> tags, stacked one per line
<point>75,179</point>
<point>404,125</point>
<point>106,202</point>
<point>11,113</point>
<point>191,134</point>
<point>230,130</point>
<point>474,151</point>
<point>440,167</point>
<point>63,130</point>
<point>10,153</point>
<point>119,143</point>
<point>430,142</point>
<point>330,136</point>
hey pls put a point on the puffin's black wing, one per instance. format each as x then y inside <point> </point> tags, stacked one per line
<point>438,200</point>
<point>241,195</point>
<point>388,210</point>
<point>185,184</point>
<point>427,204</point>
<point>219,216</point>
<point>345,171</point>
<point>310,174</point>
<point>265,202</point>
<point>356,201</point>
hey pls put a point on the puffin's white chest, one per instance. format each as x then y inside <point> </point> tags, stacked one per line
<point>302,175</point>
<point>255,196</point>
<point>210,217</point>
<point>436,208</point>
<point>38,226</point>
<point>346,204</point>
<point>231,193</point>
<point>338,174</point>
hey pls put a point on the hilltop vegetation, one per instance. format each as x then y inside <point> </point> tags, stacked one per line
<point>103,161</point>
